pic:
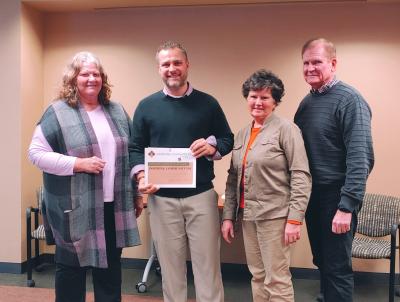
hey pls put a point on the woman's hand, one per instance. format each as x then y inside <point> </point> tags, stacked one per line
<point>138,205</point>
<point>227,230</point>
<point>292,233</point>
<point>89,165</point>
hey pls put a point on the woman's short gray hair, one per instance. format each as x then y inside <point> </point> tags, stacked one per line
<point>263,79</point>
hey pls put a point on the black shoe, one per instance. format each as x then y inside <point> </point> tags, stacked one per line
<point>320,298</point>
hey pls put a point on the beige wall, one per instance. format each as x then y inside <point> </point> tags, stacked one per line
<point>10,123</point>
<point>226,44</point>
<point>31,103</point>
<point>233,43</point>
<point>22,102</point>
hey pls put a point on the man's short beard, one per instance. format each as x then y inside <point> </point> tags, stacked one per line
<point>175,84</point>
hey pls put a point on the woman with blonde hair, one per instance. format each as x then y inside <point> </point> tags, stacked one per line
<point>90,207</point>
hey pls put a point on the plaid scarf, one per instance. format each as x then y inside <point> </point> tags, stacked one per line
<point>73,205</point>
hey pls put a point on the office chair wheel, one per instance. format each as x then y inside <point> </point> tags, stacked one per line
<point>141,287</point>
<point>30,283</point>
<point>158,271</point>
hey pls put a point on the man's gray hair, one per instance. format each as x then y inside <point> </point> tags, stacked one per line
<point>330,48</point>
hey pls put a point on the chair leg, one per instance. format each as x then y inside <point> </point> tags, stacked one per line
<point>391,281</point>
<point>29,281</point>
<point>392,268</point>
<point>397,290</point>
<point>37,258</point>
<point>36,241</point>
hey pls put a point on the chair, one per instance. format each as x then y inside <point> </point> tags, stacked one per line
<point>141,287</point>
<point>379,217</point>
<point>36,235</point>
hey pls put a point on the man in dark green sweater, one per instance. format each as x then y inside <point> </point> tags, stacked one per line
<point>182,117</point>
<point>336,124</point>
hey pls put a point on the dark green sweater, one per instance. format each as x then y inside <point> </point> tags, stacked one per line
<point>336,127</point>
<point>163,121</point>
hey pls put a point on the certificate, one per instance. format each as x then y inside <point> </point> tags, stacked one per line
<point>170,167</point>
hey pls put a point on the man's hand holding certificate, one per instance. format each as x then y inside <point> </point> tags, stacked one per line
<point>170,167</point>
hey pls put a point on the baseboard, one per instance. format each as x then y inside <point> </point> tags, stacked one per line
<point>11,268</point>
<point>364,278</point>
<point>20,268</point>
<point>297,272</point>
<point>134,263</point>
<point>226,268</point>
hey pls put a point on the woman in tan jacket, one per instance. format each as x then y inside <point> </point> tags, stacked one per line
<point>268,188</point>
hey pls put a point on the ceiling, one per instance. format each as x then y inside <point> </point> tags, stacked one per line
<point>87,5</point>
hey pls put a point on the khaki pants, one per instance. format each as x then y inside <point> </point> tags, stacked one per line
<point>268,259</point>
<point>179,223</point>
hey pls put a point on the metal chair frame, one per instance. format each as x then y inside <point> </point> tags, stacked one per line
<point>33,263</point>
<point>379,217</point>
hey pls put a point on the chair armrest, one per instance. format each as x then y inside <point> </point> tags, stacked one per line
<point>393,230</point>
<point>28,212</point>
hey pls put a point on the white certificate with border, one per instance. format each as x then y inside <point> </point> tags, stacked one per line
<point>170,167</point>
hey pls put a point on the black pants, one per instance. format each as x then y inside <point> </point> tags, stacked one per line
<point>70,281</point>
<point>331,252</point>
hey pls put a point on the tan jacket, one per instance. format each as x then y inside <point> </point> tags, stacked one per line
<point>277,177</point>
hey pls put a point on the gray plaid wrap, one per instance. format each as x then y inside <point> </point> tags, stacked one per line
<point>73,208</point>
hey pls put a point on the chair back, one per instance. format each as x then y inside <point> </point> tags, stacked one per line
<point>378,214</point>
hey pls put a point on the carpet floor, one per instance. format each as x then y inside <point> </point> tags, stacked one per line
<point>236,284</point>
<point>33,294</point>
